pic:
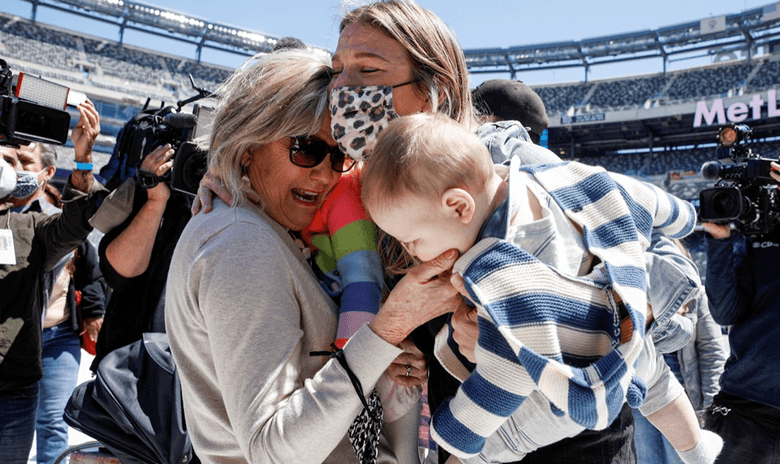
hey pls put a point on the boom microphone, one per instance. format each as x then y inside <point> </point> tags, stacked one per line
<point>709,170</point>
<point>712,170</point>
<point>180,120</point>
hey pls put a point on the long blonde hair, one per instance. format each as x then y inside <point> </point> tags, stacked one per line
<point>438,67</point>
<point>438,62</point>
<point>272,96</point>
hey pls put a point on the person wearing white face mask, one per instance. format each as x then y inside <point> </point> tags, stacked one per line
<point>31,244</point>
<point>36,168</point>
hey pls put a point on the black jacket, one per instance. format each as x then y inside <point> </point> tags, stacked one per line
<point>88,279</point>
<point>743,287</point>
<point>136,304</point>
<point>40,242</point>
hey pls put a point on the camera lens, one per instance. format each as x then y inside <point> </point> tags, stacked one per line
<point>726,204</point>
<point>30,123</point>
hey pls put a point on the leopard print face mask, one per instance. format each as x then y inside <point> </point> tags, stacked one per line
<point>358,115</point>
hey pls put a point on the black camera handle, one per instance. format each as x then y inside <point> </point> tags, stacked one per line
<point>202,93</point>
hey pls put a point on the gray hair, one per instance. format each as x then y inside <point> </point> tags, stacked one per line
<point>48,154</point>
<point>272,96</point>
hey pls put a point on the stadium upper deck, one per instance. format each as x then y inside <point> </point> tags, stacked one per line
<point>654,111</point>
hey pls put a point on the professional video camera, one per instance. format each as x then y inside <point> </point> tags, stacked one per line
<point>31,109</point>
<point>744,193</point>
<point>152,128</point>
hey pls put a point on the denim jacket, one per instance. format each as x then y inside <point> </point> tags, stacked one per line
<point>673,282</point>
<point>505,139</point>
<point>703,359</point>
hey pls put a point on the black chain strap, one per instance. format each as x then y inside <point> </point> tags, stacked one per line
<point>365,429</point>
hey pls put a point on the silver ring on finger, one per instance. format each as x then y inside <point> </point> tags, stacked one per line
<point>408,370</point>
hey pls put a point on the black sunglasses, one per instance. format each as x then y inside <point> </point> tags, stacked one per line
<point>307,151</point>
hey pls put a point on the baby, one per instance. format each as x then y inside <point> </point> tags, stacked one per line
<point>563,326</point>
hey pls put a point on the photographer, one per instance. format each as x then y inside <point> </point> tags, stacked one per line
<point>65,319</point>
<point>135,256</point>
<point>30,245</point>
<point>743,284</point>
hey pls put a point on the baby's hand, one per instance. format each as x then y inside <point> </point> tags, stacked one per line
<point>465,331</point>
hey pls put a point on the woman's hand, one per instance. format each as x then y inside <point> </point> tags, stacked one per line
<point>204,200</point>
<point>409,368</point>
<point>465,331</point>
<point>424,293</point>
<point>157,163</point>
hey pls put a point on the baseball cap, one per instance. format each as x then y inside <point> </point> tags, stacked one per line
<point>512,101</point>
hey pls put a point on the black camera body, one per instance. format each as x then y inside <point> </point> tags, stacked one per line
<point>22,120</point>
<point>152,128</point>
<point>744,193</point>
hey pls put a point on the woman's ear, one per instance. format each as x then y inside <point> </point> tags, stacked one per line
<point>460,203</point>
<point>48,173</point>
<point>245,161</point>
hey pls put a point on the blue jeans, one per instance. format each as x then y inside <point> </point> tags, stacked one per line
<point>61,358</point>
<point>17,424</point>
<point>651,446</point>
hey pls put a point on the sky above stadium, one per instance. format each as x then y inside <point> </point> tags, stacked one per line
<point>477,23</point>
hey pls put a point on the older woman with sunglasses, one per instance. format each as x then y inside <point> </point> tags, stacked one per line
<point>249,324</point>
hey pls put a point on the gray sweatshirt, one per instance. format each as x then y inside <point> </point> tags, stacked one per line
<point>243,311</point>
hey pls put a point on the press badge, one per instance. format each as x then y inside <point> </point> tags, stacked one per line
<point>7,252</point>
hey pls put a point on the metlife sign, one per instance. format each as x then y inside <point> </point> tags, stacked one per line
<point>717,113</point>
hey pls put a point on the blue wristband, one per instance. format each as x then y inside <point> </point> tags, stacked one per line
<point>84,166</point>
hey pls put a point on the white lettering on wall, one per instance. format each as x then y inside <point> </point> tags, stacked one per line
<point>772,104</point>
<point>736,112</point>
<point>709,114</point>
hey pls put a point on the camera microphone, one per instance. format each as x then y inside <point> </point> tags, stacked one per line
<point>710,170</point>
<point>181,120</point>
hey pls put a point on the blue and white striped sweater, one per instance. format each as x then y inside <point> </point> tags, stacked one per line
<point>561,335</point>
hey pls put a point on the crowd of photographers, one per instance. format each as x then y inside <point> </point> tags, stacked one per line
<point>41,340</point>
<point>46,288</point>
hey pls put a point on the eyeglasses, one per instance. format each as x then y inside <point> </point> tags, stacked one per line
<point>307,152</point>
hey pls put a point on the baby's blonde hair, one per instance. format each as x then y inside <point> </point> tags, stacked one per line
<point>424,155</point>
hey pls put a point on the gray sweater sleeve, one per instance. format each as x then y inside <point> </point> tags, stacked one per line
<point>243,314</point>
